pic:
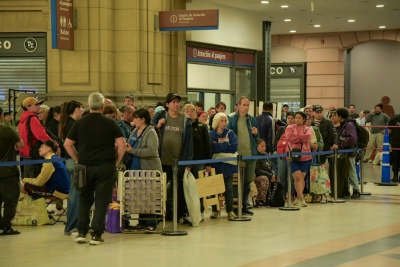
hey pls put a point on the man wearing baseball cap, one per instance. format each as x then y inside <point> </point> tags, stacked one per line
<point>53,179</point>
<point>29,120</point>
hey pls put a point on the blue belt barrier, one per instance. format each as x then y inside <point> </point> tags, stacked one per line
<point>30,162</point>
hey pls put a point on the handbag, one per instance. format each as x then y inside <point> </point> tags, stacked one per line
<point>31,212</point>
<point>275,195</point>
<point>80,179</point>
<point>296,158</point>
<point>113,220</point>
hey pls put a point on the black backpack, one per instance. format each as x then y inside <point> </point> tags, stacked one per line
<point>362,136</point>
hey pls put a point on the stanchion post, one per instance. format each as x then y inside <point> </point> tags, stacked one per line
<point>289,183</point>
<point>335,199</point>
<point>175,231</point>
<point>240,218</point>
<point>362,174</point>
<point>385,164</point>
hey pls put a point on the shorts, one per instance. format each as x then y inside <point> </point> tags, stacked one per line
<point>303,166</point>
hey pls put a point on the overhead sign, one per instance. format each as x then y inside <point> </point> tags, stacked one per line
<point>62,28</point>
<point>185,20</point>
<point>22,45</point>
<point>201,54</point>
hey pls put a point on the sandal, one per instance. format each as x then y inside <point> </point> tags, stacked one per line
<point>150,229</point>
<point>136,227</point>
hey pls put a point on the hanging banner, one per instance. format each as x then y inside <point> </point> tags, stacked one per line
<point>62,28</point>
<point>185,20</point>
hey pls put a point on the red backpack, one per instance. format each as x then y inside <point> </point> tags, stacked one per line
<point>282,145</point>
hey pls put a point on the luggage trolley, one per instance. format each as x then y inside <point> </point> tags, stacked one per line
<point>142,192</point>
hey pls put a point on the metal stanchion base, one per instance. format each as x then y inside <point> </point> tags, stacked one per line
<point>365,193</point>
<point>174,233</point>
<point>240,219</point>
<point>289,208</point>
<point>387,184</point>
<point>337,201</point>
<point>363,182</point>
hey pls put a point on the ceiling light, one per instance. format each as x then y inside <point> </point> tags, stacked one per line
<point>287,20</point>
<point>264,2</point>
<point>382,27</point>
<point>317,26</point>
<point>284,6</point>
<point>351,20</point>
<point>378,6</point>
<point>292,31</point>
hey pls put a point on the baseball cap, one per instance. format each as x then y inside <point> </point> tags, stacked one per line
<point>317,108</point>
<point>171,96</point>
<point>51,144</point>
<point>30,101</point>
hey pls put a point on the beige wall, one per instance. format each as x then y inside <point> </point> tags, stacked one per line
<point>325,60</point>
<point>117,49</point>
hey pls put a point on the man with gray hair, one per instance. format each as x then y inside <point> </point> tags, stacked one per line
<point>91,142</point>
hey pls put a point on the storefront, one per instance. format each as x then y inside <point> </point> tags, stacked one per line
<point>220,74</point>
<point>22,66</point>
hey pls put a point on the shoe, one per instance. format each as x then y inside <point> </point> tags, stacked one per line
<point>96,240</point>
<point>74,232</point>
<point>231,215</point>
<point>137,227</point>
<point>370,161</point>
<point>378,163</point>
<point>214,215</point>
<point>183,220</point>
<point>9,231</point>
<point>355,194</point>
<point>365,160</point>
<point>347,194</point>
<point>303,203</point>
<point>395,180</point>
<point>81,238</point>
<point>247,212</point>
<point>296,203</point>
<point>59,212</point>
<point>150,229</point>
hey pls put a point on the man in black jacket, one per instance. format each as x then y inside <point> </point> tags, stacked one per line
<point>326,128</point>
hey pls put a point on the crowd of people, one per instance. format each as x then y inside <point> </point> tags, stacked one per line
<point>155,136</point>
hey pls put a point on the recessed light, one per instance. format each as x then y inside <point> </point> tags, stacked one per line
<point>284,6</point>
<point>292,31</point>
<point>351,20</point>
<point>287,20</point>
<point>379,6</point>
<point>317,25</point>
<point>382,27</point>
<point>264,2</point>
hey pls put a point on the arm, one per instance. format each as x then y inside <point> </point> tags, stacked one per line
<point>38,131</point>
<point>120,144</point>
<point>149,148</point>
<point>369,118</point>
<point>69,146</point>
<point>43,177</point>
<point>351,137</point>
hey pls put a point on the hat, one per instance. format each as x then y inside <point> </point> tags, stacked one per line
<point>158,109</point>
<point>51,144</point>
<point>201,113</point>
<point>30,101</point>
<point>317,108</point>
<point>171,96</point>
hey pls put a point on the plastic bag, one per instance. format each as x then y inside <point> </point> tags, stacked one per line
<point>31,212</point>
<point>192,197</point>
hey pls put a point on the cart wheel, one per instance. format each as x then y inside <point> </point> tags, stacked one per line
<point>308,198</point>
<point>317,198</point>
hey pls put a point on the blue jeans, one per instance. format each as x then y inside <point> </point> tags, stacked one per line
<point>72,201</point>
<point>249,176</point>
<point>353,180</point>
<point>100,182</point>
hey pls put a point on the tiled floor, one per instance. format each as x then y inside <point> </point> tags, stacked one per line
<point>363,232</point>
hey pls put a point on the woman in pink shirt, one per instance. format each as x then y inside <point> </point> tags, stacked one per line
<point>298,136</point>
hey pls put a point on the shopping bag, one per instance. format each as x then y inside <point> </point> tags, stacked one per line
<point>192,197</point>
<point>113,219</point>
<point>31,212</point>
<point>319,180</point>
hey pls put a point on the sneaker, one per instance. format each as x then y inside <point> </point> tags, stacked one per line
<point>370,161</point>
<point>81,238</point>
<point>214,215</point>
<point>296,203</point>
<point>303,203</point>
<point>149,229</point>
<point>9,231</point>
<point>355,194</point>
<point>394,180</point>
<point>231,215</point>
<point>365,160</point>
<point>96,240</point>
<point>73,232</point>
<point>247,212</point>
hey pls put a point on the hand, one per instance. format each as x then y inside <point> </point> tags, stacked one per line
<point>273,179</point>
<point>208,169</point>
<point>188,169</point>
<point>161,122</point>
<point>128,148</point>
<point>254,131</point>
<point>334,147</point>
<point>58,153</point>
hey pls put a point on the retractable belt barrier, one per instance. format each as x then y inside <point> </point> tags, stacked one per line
<point>30,162</point>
